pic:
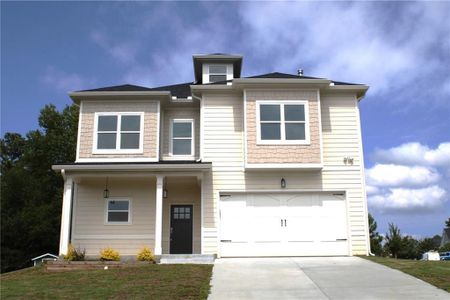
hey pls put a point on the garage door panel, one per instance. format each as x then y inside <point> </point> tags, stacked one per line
<point>284,224</point>
<point>234,221</point>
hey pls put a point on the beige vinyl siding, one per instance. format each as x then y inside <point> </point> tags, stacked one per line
<point>87,115</point>
<point>223,145</point>
<point>179,113</point>
<point>182,190</point>
<point>309,153</point>
<point>89,229</point>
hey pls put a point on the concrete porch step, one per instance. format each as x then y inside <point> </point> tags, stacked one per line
<point>187,259</point>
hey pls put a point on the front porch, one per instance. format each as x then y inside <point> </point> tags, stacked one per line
<point>131,209</point>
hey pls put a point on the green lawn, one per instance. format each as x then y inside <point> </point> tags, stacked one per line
<point>436,273</point>
<point>144,282</point>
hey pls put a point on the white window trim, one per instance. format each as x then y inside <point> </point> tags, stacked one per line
<point>182,156</point>
<point>106,222</point>
<point>205,72</point>
<point>283,140</point>
<point>119,115</point>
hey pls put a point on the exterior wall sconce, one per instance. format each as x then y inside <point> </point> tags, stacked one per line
<point>283,183</point>
<point>165,192</point>
<point>106,191</point>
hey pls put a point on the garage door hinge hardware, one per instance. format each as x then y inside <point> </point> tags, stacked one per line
<point>223,196</point>
<point>338,194</point>
<point>285,222</point>
<point>341,239</point>
<point>225,241</point>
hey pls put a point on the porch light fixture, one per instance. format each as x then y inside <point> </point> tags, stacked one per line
<point>165,189</point>
<point>283,183</point>
<point>106,191</point>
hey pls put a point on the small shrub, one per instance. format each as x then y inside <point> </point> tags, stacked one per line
<point>109,254</point>
<point>74,254</point>
<point>145,254</point>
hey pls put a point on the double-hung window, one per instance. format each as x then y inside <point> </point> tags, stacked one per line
<point>118,211</point>
<point>283,122</point>
<point>182,137</point>
<point>118,132</point>
<point>217,73</point>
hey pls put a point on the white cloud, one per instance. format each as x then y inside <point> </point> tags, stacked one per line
<point>409,178</point>
<point>122,51</point>
<point>396,175</point>
<point>63,81</point>
<point>415,153</point>
<point>401,199</point>
<point>356,42</point>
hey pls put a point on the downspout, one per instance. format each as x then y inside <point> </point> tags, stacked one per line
<point>201,130</point>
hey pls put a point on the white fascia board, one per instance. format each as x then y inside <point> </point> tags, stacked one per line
<point>283,166</point>
<point>131,167</point>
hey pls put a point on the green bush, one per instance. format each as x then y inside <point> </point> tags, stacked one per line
<point>74,254</point>
<point>109,254</point>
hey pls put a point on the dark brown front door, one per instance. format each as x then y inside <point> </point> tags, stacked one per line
<point>181,229</point>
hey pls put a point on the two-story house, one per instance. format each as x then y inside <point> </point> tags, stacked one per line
<point>267,165</point>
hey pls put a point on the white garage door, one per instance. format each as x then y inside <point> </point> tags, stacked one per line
<point>283,224</point>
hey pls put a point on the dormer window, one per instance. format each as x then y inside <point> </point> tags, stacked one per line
<point>217,73</point>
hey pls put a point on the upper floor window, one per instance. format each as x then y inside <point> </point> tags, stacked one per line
<point>217,73</point>
<point>182,137</point>
<point>283,122</point>
<point>121,132</point>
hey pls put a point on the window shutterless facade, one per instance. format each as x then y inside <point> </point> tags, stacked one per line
<point>282,122</point>
<point>118,133</point>
<point>118,211</point>
<point>182,137</point>
<point>217,73</point>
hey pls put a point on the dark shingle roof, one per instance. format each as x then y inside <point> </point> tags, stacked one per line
<point>181,90</point>
<point>282,75</point>
<point>287,76</point>
<point>119,88</point>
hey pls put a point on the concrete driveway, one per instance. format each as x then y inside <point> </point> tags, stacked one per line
<point>314,278</point>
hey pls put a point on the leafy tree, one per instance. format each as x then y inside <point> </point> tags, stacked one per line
<point>445,248</point>
<point>426,245</point>
<point>31,193</point>
<point>447,223</point>
<point>393,240</point>
<point>375,238</point>
<point>409,248</point>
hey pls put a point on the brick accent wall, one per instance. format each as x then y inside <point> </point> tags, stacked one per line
<point>283,153</point>
<point>88,111</point>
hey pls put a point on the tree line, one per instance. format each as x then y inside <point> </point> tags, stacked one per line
<point>31,192</point>
<point>396,245</point>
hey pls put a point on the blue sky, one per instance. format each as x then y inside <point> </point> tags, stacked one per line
<point>400,49</point>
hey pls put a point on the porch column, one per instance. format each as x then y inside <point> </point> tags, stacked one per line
<point>158,217</point>
<point>65,216</point>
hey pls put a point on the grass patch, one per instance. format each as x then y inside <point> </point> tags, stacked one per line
<point>436,273</point>
<point>143,282</point>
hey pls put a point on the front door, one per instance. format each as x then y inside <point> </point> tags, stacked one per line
<point>181,229</point>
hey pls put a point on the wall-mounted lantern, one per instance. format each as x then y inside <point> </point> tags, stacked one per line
<point>165,192</point>
<point>283,183</point>
<point>106,191</point>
